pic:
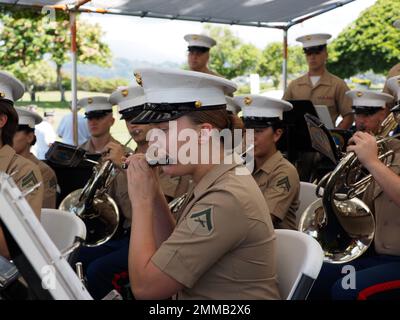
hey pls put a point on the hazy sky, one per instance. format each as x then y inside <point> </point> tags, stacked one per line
<point>161,40</point>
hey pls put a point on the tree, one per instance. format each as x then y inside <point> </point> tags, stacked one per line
<point>90,48</point>
<point>26,39</point>
<point>231,57</point>
<point>24,43</point>
<point>36,76</point>
<point>369,43</point>
<point>272,58</point>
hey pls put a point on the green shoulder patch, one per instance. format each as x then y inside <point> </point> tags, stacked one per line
<point>284,184</point>
<point>29,180</point>
<point>201,222</point>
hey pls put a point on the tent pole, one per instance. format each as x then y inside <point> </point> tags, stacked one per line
<point>72,19</point>
<point>285,59</point>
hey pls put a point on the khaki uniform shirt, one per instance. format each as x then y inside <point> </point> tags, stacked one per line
<point>395,71</point>
<point>329,91</point>
<point>49,182</point>
<point>279,182</point>
<point>119,186</point>
<point>387,213</point>
<point>26,175</point>
<point>223,246</point>
<point>173,187</point>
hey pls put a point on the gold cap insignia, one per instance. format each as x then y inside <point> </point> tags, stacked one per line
<point>248,101</point>
<point>124,92</point>
<point>195,37</point>
<point>2,94</point>
<point>90,100</point>
<point>197,104</point>
<point>308,38</point>
<point>359,94</point>
<point>138,78</point>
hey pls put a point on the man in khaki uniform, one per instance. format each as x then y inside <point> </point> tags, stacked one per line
<point>370,111</point>
<point>98,112</point>
<point>199,47</point>
<point>102,262</point>
<point>24,139</point>
<point>318,85</point>
<point>275,176</point>
<point>222,245</point>
<point>25,173</point>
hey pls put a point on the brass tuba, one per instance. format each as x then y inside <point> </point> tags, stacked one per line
<point>94,206</point>
<point>343,224</point>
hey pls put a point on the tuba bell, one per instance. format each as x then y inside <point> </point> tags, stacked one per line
<point>94,206</point>
<point>342,223</point>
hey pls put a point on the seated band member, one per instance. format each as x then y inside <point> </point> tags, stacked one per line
<point>276,177</point>
<point>318,85</point>
<point>101,263</point>
<point>24,139</point>
<point>222,245</point>
<point>24,172</point>
<point>382,280</point>
<point>370,111</point>
<point>130,103</point>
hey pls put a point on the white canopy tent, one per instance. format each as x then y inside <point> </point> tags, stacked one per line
<point>281,14</point>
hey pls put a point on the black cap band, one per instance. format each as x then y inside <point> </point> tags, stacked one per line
<point>97,114</point>
<point>314,49</point>
<point>162,112</point>
<point>261,122</point>
<point>198,49</point>
<point>368,110</point>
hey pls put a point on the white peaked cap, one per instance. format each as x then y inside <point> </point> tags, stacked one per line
<point>369,98</point>
<point>199,40</point>
<point>260,106</point>
<point>313,40</point>
<point>97,103</point>
<point>10,87</point>
<point>180,86</point>
<point>128,97</point>
<point>29,118</point>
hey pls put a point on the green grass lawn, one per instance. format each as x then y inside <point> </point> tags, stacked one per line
<point>50,100</point>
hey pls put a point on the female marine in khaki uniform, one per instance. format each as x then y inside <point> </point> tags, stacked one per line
<point>276,177</point>
<point>130,103</point>
<point>23,140</point>
<point>222,245</point>
<point>384,254</point>
<point>25,173</point>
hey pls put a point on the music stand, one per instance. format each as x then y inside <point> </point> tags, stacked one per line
<point>70,167</point>
<point>296,138</point>
<point>321,138</point>
<point>35,255</point>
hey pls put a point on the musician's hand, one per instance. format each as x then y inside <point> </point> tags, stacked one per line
<point>143,183</point>
<point>114,152</point>
<point>365,147</point>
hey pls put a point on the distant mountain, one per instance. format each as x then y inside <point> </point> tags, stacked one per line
<point>121,68</point>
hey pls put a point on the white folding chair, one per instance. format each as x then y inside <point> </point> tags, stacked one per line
<point>307,196</point>
<point>299,261</point>
<point>64,228</point>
